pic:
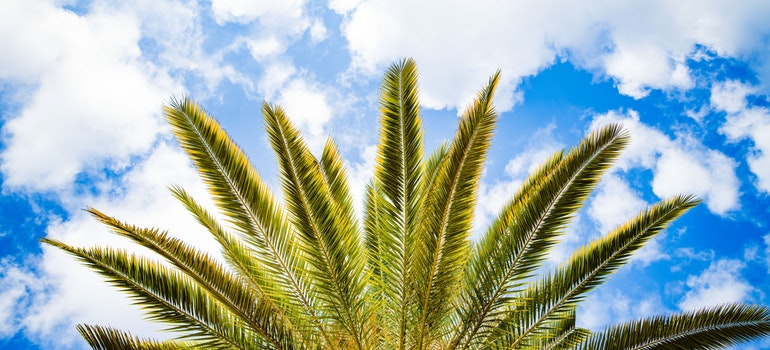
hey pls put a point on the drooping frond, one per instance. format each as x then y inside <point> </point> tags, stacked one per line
<point>241,195</point>
<point>107,338</point>
<point>710,328</point>
<point>442,246</point>
<point>330,239</point>
<point>220,284</point>
<point>170,297</point>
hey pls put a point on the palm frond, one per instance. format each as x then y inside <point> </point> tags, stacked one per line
<point>241,195</point>
<point>226,287</point>
<point>107,338</point>
<point>331,240</point>
<point>536,220</point>
<point>172,298</point>
<point>592,264</point>
<point>442,244</point>
<point>710,328</point>
<point>397,180</point>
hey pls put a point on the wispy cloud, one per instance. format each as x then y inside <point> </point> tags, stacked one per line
<point>720,283</point>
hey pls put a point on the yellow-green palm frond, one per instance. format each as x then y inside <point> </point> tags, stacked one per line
<point>222,285</point>
<point>396,194</point>
<point>331,240</point>
<point>535,219</point>
<point>169,296</point>
<point>589,267</point>
<point>442,244</point>
<point>709,328</point>
<point>107,338</point>
<point>243,198</point>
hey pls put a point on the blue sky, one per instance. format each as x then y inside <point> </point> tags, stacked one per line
<point>82,84</point>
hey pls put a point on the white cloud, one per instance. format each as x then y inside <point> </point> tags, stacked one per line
<point>318,31</point>
<point>745,122</point>
<point>643,45</point>
<point>309,106</point>
<point>96,102</point>
<point>680,166</point>
<point>245,11</point>
<point>720,283</point>
<point>730,96</point>
<point>614,203</point>
<point>606,307</point>
<point>58,292</point>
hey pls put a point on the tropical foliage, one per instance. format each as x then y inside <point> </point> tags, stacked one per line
<point>310,274</point>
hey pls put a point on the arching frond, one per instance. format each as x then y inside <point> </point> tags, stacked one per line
<point>710,328</point>
<point>107,338</point>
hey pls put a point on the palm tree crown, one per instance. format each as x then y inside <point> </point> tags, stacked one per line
<point>309,274</point>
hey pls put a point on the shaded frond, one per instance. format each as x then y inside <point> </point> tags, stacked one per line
<point>170,297</point>
<point>220,284</point>
<point>710,328</point>
<point>107,338</point>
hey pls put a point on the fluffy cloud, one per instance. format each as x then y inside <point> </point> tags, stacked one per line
<point>54,291</point>
<point>720,283</point>
<point>681,165</point>
<point>745,122</point>
<point>93,100</point>
<point>643,45</point>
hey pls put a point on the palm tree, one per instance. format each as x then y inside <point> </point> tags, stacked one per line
<point>309,274</point>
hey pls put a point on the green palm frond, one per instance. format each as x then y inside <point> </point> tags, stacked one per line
<point>246,201</point>
<point>107,338</point>
<point>331,239</point>
<point>442,243</point>
<point>536,219</point>
<point>396,194</point>
<point>589,267</point>
<point>309,274</point>
<point>170,297</point>
<point>710,328</point>
<point>222,285</point>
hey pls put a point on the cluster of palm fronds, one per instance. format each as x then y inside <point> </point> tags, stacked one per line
<point>309,274</point>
